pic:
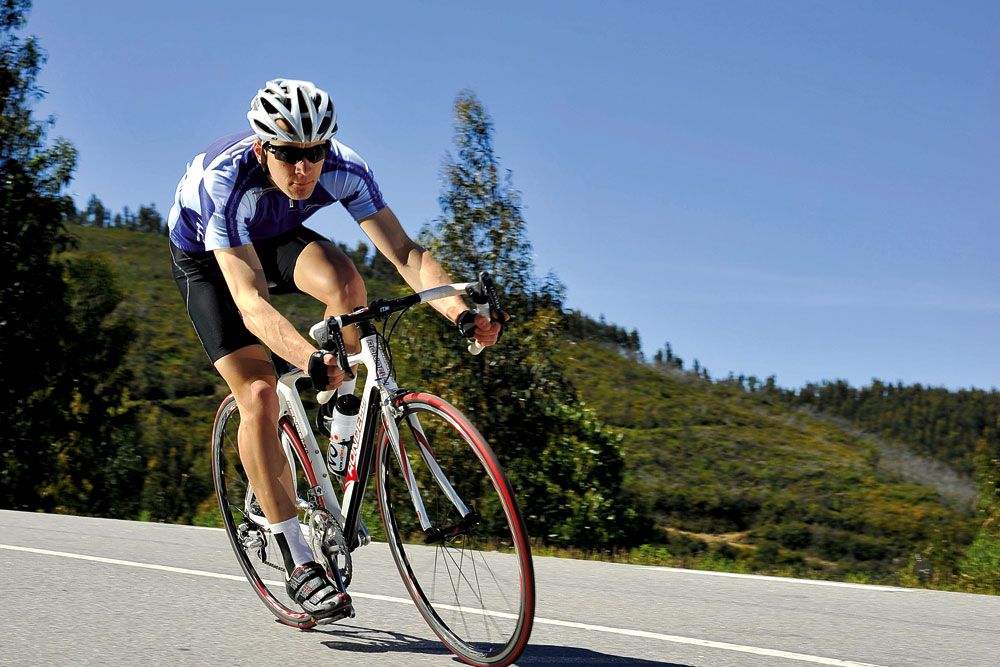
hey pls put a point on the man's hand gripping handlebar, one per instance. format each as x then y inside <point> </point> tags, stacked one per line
<point>484,295</point>
<point>331,341</point>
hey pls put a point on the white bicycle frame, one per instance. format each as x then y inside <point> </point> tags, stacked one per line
<point>380,392</point>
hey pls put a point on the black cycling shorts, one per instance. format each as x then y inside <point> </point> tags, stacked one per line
<point>216,319</point>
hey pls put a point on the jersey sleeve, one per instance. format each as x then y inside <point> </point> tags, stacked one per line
<point>226,212</point>
<point>350,180</point>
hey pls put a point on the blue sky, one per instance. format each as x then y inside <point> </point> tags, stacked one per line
<point>802,189</point>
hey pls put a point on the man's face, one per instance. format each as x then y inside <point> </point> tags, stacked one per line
<point>296,179</point>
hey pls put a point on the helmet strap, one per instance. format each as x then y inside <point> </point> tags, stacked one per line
<point>263,163</point>
<point>267,172</point>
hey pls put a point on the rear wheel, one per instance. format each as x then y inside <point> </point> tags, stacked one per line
<point>248,530</point>
<point>470,576</point>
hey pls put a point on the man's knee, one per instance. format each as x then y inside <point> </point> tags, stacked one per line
<point>354,288</point>
<point>329,275</point>
<point>260,401</point>
<point>343,285</point>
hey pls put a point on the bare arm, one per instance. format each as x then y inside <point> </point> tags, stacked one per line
<point>414,263</point>
<point>420,270</point>
<point>245,277</point>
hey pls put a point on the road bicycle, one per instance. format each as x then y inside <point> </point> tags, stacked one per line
<point>448,510</point>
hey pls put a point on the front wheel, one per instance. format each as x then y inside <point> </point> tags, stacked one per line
<point>467,566</point>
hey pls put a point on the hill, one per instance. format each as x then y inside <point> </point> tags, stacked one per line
<point>730,479</point>
<point>748,482</point>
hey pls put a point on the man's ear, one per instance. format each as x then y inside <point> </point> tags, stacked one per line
<point>257,150</point>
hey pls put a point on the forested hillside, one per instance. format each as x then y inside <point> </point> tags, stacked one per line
<point>715,475</point>
<point>942,424</point>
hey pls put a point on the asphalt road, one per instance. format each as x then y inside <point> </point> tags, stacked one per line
<point>83,591</point>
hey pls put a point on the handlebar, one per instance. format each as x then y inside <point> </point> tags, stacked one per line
<point>328,332</point>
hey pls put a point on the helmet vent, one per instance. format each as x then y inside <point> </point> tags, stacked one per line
<point>268,107</point>
<point>324,125</point>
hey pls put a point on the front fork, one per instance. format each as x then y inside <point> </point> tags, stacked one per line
<point>424,447</point>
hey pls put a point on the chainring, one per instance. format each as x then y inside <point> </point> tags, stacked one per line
<point>327,538</point>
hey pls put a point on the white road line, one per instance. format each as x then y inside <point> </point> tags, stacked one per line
<point>786,580</point>
<point>801,657</point>
<point>675,570</point>
<point>129,563</point>
<point>691,641</point>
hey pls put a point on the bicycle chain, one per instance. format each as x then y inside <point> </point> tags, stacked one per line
<point>279,568</point>
<point>326,538</point>
<point>338,538</point>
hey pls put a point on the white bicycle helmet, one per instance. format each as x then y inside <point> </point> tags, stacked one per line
<point>307,112</point>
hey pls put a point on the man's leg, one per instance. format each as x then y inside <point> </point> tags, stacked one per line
<point>325,273</point>
<point>250,377</point>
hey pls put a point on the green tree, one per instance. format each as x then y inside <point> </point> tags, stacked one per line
<point>95,215</point>
<point>980,567</point>
<point>124,219</point>
<point>566,467</point>
<point>149,220</point>
<point>33,307</point>
<point>64,443</point>
<point>481,227</point>
<point>99,467</point>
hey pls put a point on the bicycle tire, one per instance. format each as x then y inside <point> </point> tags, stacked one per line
<point>256,550</point>
<point>484,611</point>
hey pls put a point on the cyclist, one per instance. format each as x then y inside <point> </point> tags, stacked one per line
<point>236,235</point>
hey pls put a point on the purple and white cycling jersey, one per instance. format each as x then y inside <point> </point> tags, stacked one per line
<point>225,199</point>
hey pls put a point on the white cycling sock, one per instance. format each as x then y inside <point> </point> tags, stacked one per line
<point>298,548</point>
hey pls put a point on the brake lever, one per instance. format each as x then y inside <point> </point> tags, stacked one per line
<point>338,348</point>
<point>486,280</point>
<point>484,295</point>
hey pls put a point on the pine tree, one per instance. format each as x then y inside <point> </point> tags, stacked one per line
<point>481,227</point>
<point>149,220</point>
<point>95,215</point>
<point>980,566</point>
<point>566,467</point>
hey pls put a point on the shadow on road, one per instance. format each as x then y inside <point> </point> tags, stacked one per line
<point>357,639</point>
<point>344,637</point>
<point>567,655</point>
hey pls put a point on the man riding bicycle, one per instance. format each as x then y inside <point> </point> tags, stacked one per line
<point>236,233</point>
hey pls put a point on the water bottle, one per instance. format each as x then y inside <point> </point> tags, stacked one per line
<point>345,416</point>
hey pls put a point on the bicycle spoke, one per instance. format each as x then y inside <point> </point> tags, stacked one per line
<point>459,566</point>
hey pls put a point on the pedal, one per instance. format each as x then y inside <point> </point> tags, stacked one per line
<point>347,612</point>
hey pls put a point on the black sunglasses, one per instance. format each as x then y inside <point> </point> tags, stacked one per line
<point>294,154</point>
